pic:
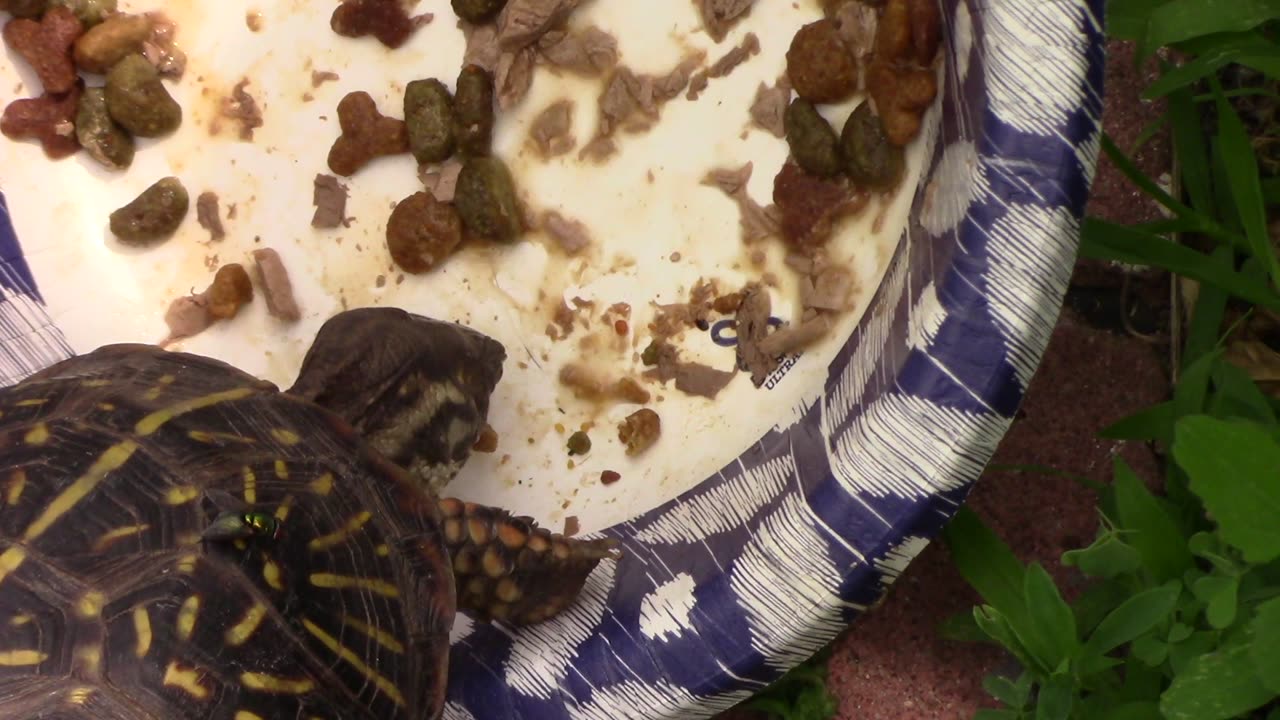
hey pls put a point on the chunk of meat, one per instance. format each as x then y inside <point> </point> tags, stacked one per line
<point>857,23</point>
<point>752,322</point>
<point>330,198</point>
<point>387,20</point>
<point>482,45</point>
<point>522,22</point>
<point>678,78</point>
<point>590,52</point>
<point>719,16</point>
<point>442,182</point>
<point>514,76</point>
<point>727,63</point>
<point>691,378</point>
<point>242,108</point>
<point>571,235</point>
<point>552,130</point>
<point>829,288</point>
<point>161,49</point>
<point>187,316</point>
<point>770,106</point>
<point>208,217</point>
<point>754,221</point>
<point>320,77</point>
<point>788,339</point>
<point>277,290</point>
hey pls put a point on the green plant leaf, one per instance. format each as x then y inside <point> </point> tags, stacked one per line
<point>1200,643</point>
<point>1051,617</point>
<point>1242,173</point>
<point>1179,20</point>
<point>1107,557</point>
<point>1271,190</point>
<point>987,563</point>
<point>1200,349</point>
<point>1150,424</point>
<point>1189,146</point>
<point>1152,531</point>
<point>1232,468</point>
<point>1127,19</point>
<point>1236,395</point>
<point>1216,686</point>
<point>1264,651</point>
<point>1134,617</point>
<point>1220,597</point>
<point>1144,183</point>
<point>1209,54</point>
<point>1055,699</point>
<point>1006,691</point>
<point>995,624</point>
<point>1102,240</point>
<point>1097,601</point>
<point>1179,632</point>
<point>1151,650</point>
<point>1142,710</point>
<point>961,627</point>
<point>1142,683</point>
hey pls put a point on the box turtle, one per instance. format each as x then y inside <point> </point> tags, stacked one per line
<point>181,540</point>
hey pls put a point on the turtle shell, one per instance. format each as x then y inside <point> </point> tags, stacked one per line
<point>112,466</point>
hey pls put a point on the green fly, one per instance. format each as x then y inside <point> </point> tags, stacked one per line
<point>243,525</point>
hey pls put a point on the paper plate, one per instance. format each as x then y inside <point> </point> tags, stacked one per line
<point>764,521</point>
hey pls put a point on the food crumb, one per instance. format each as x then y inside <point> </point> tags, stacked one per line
<point>241,106</point>
<point>487,440</point>
<point>330,200</point>
<point>207,215</point>
<point>640,430</point>
<point>609,477</point>
<point>571,526</point>
<point>253,20</point>
<point>579,443</point>
<point>320,77</point>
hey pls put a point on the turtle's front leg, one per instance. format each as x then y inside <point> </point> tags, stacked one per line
<point>508,569</point>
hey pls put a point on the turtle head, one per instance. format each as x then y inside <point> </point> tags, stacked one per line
<point>416,389</point>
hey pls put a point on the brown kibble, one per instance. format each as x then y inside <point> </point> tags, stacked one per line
<point>422,232</point>
<point>609,477</point>
<point>366,134</point>
<point>46,45</point>
<point>893,34</point>
<point>50,119</point>
<point>926,30</point>
<point>231,289</point>
<point>901,95</point>
<point>386,20</point>
<point>819,65</point>
<point>486,441</point>
<point>106,44</point>
<point>640,430</point>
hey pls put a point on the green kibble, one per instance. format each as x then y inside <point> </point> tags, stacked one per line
<point>25,8</point>
<point>138,100</point>
<point>90,12</point>
<point>101,137</point>
<point>869,159</point>
<point>154,215</point>
<point>473,110</point>
<point>428,113</point>
<point>579,443</point>
<point>477,11</point>
<point>812,140</point>
<point>486,200</point>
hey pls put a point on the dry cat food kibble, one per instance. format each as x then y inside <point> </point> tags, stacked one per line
<point>115,39</point>
<point>384,19</point>
<point>231,290</point>
<point>46,46</point>
<point>486,200</point>
<point>101,137</point>
<point>812,141</point>
<point>154,215</point>
<point>473,110</point>
<point>819,64</point>
<point>422,232</point>
<point>50,119</point>
<point>366,134</point>
<point>640,430</point>
<point>428,115</point>
<point>138,100</point>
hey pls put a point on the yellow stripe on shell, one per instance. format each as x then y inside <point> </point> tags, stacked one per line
<point>187,616</point>
<point>342,534</point>
<point>274,684</point>
<point>353,659</point>
<point>106,539</point>
<point>346,582</point>
<point>382,637</point>
<point>240,633</point>
<point>156,420</point>
<point>142,631</point>
<point>21,658</point>
<point>185,679</point>
<point>111,459</point>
